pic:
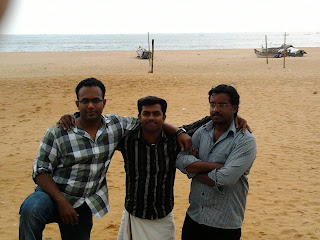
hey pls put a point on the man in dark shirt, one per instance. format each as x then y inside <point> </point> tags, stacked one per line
<point>149,160</point>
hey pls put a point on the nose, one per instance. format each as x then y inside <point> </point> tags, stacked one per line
<point>90,105</point>
<point>151,116</point>
<point>215,108</point>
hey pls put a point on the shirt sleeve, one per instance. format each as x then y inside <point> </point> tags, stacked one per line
<point>47,157</point>
<point>184,159</point>
<point>192,127</point>
<point>237,164</point>
<point>129,123</point>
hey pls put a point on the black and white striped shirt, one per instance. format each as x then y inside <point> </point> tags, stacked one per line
<point>150,172</point>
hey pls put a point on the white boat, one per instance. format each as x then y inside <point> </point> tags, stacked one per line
<point>143,53</point>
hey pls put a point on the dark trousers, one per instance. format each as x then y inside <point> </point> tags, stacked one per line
<point>192,230</point>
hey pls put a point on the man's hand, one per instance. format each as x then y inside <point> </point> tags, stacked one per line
<point>194,152</point>
<point>67,213</point>
<point>66,122</point>
<point>184,141</point>
<point>241,123</point>
<point>203,178</point>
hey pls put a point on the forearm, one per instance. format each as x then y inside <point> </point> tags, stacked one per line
<point>202,167</point>
<point>204,178</point>
<point>49,186</point>
<point>169,129</point>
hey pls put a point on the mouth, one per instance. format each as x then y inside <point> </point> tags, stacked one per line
<point>91,113</point>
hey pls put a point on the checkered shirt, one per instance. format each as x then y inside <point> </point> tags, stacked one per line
<point>78,163</point>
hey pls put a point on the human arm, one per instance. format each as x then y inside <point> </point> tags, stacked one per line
<point>66,121</point>
<point>66,212</point>
<point>238,163</point>
<point>204,178</point>
<point>240,123</point>
<point>44,167</point>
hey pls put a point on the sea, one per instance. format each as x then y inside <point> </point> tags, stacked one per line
<point>181,41</point>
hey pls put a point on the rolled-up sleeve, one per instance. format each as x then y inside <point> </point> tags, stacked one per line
<point>184,159</point>
<point>238,163</point>
<point>47,156</point>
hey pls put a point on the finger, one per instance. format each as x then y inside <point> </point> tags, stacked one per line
<point>63,124</point>
<point>244,127</point>
<point>181,146</point>
<point>71,220</point>
<point>76,219</point>
<point>64,220</point>
<point>187,145</point>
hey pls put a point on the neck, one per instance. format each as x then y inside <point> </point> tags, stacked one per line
<point>90,127</point>
<point>150,137</point>
<point>220,128</point>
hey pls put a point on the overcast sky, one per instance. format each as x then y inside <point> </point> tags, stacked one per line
<point>159,16</point>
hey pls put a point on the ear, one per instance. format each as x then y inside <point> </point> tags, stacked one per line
<point>77,103</point>
<point>164,117</point>
<point>104,102</point>
<point>235,108</point>
<point>139,116</point>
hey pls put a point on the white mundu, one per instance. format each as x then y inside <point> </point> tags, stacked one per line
<point>133,228</point>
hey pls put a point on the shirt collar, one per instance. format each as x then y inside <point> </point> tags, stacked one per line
<point>232,127</point>
<point>163,134</point>
<point>103,125</point>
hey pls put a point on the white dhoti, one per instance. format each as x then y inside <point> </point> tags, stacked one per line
<point>134,228</point>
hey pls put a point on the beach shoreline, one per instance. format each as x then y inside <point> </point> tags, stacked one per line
<point>280,104</point>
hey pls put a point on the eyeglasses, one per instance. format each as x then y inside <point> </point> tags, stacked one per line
<point>219,105</point>
<point>86,101</point>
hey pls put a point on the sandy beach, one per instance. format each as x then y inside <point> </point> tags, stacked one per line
<point>280,104</point>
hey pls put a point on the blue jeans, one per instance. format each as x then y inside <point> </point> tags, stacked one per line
<point>38,209</point>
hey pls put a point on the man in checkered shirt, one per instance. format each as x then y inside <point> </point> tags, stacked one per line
<point>70,168</point>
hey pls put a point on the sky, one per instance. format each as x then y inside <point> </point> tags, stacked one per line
<point>159,16</point>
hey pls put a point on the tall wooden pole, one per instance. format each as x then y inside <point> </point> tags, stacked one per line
<point>266,48</point>
<point>284,50</point>
<point>152,54</point>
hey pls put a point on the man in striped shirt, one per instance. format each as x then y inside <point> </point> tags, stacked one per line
<point>218,165</point>
<point>149,160</point>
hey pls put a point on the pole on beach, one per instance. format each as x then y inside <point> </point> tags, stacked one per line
<point>266,49</point>
<point>149,49</point>
<point>152,53</point>
<point>284,50</point>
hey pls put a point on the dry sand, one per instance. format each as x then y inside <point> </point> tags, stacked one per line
<point>280,104</point>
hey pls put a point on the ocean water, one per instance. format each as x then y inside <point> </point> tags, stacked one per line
<point>115,42</point>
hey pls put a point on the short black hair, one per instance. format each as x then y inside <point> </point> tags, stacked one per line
<point>231,91</point>
<point>152,100</point>
<point>90,82</point>
<point>227,89</point>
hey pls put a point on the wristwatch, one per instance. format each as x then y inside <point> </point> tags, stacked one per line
<point>180,130</point>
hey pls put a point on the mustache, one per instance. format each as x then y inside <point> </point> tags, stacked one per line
<point>216,114</point>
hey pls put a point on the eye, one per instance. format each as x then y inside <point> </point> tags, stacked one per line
<point>84,101</point>
<point>96,100</point>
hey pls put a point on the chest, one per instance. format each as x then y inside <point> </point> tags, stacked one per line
<point>218,151</point>
<point>152,159</point>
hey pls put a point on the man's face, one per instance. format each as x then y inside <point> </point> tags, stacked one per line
<point>221,110</point>
<point>90,103</point>
<point>151,118</point>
